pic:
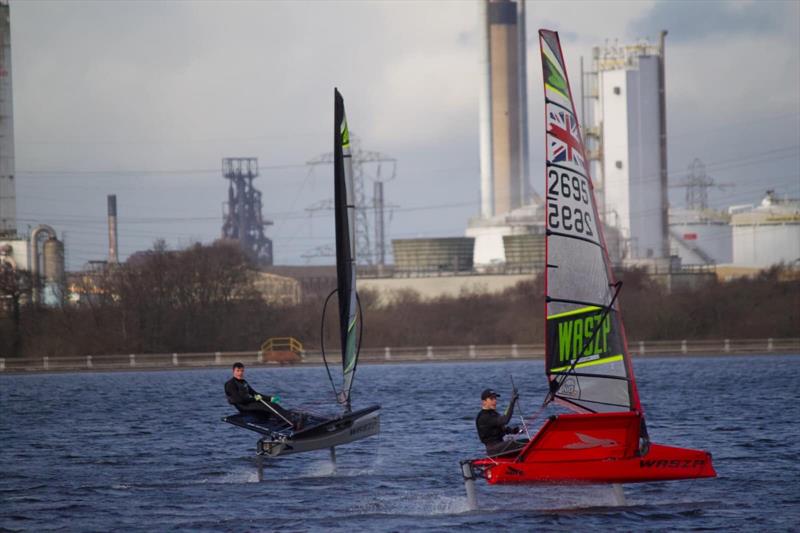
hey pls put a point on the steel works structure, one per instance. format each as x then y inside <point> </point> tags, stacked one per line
<point>242,218</point>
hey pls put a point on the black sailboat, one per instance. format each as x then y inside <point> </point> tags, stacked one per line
<point>319,432</point>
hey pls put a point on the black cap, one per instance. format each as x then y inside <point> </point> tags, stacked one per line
<point>489,393</point>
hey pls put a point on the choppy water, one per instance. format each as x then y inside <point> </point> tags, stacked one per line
<point>147,451</point>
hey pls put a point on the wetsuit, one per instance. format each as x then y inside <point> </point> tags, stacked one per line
<point>242,395</point>
<point>492,427</point>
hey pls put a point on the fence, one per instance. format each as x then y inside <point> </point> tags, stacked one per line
<point>391,355</point>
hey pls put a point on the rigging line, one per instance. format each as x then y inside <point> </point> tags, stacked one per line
<point>549,299</point>
<point>568,236</point>
<point>358,348</point>
<point>585,375</point>
<point>565,399</point>
<point>556,383</point>
<point>521,417</point>
<point>322,344</point>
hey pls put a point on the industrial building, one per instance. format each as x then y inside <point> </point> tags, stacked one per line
<point>767,234</point>
<point>626,145</point>
<point>43,258</point>
<point>433,256</point>
<point>242,216</point>
<point>524,253</point>
<point>490,233</point>
<point>503,112</point>
<point>700,236</point>
<point>277,290</point>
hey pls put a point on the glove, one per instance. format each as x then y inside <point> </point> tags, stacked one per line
<point>514,430</point>
<point>514,395</point>
<point>258,397</point>
<point>275,399</point>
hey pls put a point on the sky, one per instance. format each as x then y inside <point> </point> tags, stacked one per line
<point>143,100</point>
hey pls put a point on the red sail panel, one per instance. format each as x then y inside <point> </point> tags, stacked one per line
<point>587,360</point>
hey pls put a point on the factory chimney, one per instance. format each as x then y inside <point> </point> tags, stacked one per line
<point>113,250</point>
<point>503,107</point>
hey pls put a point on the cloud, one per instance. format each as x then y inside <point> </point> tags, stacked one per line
<point>702,19</point>
<point>179,85</point>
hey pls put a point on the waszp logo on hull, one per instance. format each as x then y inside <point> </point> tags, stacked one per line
<point>672,463</point>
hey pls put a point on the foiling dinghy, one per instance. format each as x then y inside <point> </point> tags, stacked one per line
<point>587,363</point>
<point>320,432</point>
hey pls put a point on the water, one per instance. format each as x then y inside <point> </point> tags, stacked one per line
<point>147,451</point>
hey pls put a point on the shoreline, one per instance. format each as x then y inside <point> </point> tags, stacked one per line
<point>386,356</point>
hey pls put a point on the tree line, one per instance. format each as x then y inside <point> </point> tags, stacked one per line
<point>203,299</point>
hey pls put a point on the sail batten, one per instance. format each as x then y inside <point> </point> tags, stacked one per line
<point>587,360</point>
<point>345,247</point>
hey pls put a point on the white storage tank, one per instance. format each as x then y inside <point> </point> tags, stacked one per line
<point>767,234</point>
<point>701,237</point>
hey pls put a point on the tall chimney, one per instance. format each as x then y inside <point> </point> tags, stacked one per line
<point>113,251</point>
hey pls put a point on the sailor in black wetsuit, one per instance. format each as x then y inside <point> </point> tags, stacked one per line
<point>492,425</point>
<point>241,395</point>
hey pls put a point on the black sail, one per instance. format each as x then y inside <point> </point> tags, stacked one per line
<point>345,245</point>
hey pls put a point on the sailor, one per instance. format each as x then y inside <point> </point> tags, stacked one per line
<point>492,426</point>
<point>241,395</point>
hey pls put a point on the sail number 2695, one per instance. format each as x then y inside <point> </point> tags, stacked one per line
<point>565,214</point>
<point>570,219</point>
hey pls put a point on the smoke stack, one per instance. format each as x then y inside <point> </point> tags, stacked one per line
<point>113,256</point>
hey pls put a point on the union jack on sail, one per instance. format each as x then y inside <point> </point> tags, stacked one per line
<point>564,141</point>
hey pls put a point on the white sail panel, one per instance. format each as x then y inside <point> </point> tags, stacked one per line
<point>587,361</point>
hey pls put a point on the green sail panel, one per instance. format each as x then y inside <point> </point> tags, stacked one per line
<point>345,247</point>
<point>587,361</point>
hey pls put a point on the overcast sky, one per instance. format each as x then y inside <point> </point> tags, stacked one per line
<point>143,99</point>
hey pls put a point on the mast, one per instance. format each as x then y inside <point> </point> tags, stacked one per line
<point>587,360</point>
<point>345,246</point>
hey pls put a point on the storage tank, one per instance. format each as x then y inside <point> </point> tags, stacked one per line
<point>701,237</point>
<point>53,252</point>
<point>768,234</point>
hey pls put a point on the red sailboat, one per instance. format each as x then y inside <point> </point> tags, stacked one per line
<point>587,362</point>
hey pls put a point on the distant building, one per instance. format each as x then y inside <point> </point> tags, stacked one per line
<point>490,234</point>
<point>503,107</point>
<point>277,290</point>
<point>767,234</point>
<point>439,255</point>
<point>700,237</point>
<point>626,144</point>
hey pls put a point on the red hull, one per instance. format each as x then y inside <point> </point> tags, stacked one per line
<point>594,448</point>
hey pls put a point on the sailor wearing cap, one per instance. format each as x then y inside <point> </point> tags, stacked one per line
<point>492,426</point>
